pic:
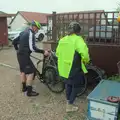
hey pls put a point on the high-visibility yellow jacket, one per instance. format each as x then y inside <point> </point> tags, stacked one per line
<point>65,52</point>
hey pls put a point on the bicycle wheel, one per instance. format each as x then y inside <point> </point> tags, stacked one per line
<point>82,87</point>
<point>94,75</point>
<point>52,80</point>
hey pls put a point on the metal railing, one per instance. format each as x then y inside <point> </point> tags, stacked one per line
<point>97,27</point>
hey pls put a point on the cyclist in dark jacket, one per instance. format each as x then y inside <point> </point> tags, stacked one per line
<point>26,42</point>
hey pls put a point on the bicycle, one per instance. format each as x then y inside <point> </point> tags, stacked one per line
<point>95,74</point>
<point>49,75</point>
<point>52,61</point>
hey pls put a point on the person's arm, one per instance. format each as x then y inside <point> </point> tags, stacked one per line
<point>15,42</point>
<point>82,49</point>
<point>32,45</point>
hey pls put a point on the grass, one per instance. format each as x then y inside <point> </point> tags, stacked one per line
<point>119,117</point>
<point>114,78</point>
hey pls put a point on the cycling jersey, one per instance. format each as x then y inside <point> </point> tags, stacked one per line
<point>26,41</point>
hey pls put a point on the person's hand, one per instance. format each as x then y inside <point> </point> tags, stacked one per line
<point>46,53</point>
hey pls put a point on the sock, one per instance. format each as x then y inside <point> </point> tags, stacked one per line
<point>24,84</point>
<point>29,90</point>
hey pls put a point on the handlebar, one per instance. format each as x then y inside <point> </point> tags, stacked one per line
<point>52,52</point>
<point>54,55</point>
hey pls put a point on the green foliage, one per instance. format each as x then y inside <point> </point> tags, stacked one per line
<point>114,78</point>
<point>119,117</point>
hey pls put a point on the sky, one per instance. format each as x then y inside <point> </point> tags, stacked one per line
<point>47,6</point>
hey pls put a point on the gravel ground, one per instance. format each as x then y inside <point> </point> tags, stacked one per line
<point>14,105</point>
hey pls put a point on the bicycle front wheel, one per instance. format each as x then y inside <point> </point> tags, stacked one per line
<point>52,80</point>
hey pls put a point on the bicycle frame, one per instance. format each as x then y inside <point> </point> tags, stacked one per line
<point>39,61</point>
<point>46,62</point>
<point>51,59</point>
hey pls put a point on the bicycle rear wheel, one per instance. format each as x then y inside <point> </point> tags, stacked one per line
<point>82,87</point>
<point>94,75</point>
<point>52,80</point>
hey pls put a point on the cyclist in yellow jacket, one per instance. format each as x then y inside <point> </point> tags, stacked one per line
<point>72,53</point>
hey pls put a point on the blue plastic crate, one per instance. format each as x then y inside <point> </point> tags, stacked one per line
<point>98,106</point>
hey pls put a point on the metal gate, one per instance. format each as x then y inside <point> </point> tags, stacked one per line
<point>100,30</point>
<point>97,26</point>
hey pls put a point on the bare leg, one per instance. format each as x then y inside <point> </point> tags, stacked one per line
<point>23,77</point>
<point>23,80</point>
<point>30,79</point>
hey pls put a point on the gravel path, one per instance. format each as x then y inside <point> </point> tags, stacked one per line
<point>14,105</point>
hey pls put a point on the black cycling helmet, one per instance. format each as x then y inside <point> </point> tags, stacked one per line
<point>74,27</point>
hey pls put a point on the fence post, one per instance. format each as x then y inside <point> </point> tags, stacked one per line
<point>119,33</point>
<point>54,28</point>
<point>94,32</point>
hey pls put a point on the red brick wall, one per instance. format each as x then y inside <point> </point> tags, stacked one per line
<point>3,31</point>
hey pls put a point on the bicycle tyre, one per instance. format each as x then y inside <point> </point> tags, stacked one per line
<point>95,74</point>
<point>82,88</point>
<point>52,79</point>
